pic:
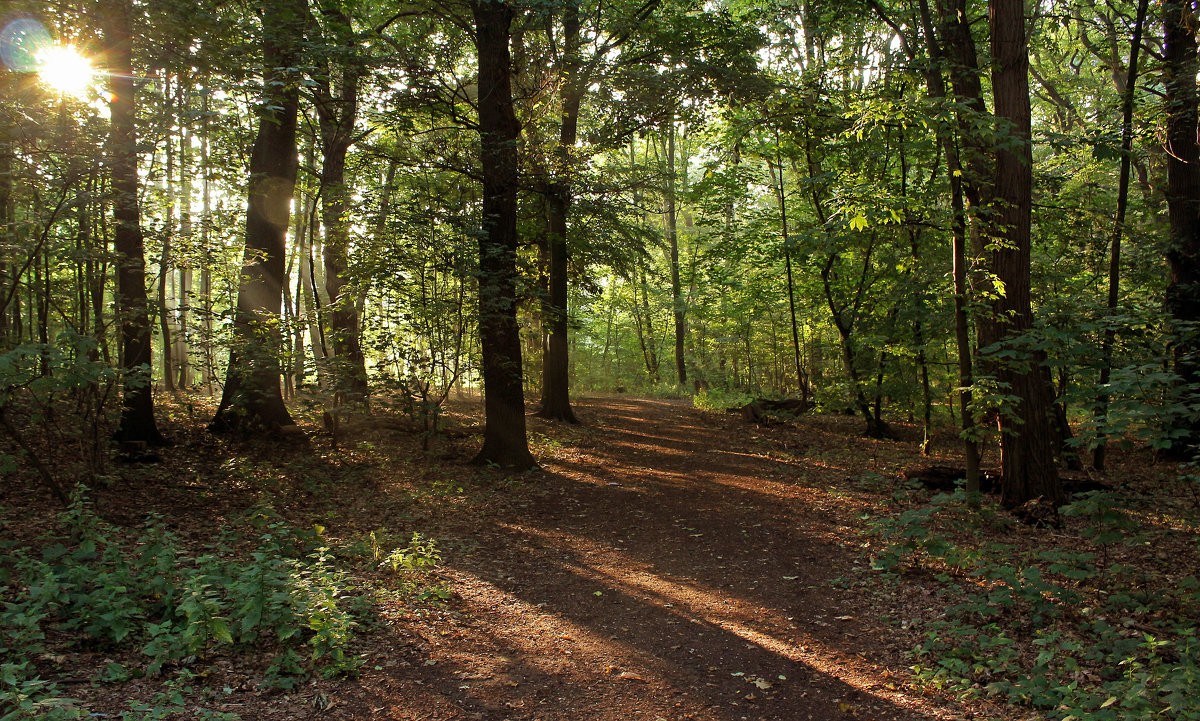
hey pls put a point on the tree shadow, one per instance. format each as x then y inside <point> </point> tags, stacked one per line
<point>666,576</point>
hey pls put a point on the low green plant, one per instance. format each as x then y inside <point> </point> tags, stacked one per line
<point>1056,629</point>
<point>718,399</point>
<point>420,554</point>
<point>105,592</point>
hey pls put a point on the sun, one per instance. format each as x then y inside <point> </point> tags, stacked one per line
<point>64,69</point>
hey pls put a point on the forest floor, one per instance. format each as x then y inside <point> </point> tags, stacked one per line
<point>664,563</point>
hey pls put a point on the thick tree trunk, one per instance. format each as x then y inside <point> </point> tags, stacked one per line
<point>504,439</point>
<point>556,400</point>
<point>137,403</point>
<point>1027,454</point>
<point>1180,66</point>
<point>252,401</point>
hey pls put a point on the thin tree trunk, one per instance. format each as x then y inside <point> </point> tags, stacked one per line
<point>787,261</point>
<point>673,246</point>
<point>184,301</point>
<point>164,270</point>
<point>207,368</point>
<point>7,206</point>
<point>969,430</point>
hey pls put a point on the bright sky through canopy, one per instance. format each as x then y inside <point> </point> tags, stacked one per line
<point>62,68</point>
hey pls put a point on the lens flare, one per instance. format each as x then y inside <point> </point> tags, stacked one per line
<point>21,42</point>
<point>64,69</point>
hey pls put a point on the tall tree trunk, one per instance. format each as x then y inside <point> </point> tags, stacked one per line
<point>936,86</point>
<point>1027,455</point>
<point>184,301</point>
<point>336,116</point>
<point>556,400</point>
<point>781,196</point>
<point>1180,65</point>
<point>7,208</point>
<point>1114,262</point>
<point>252,401</point>
<point>208,362</point>
<point>673,247</point>
<point>504,438</point>
<point>137,422</point>
<point>165,261</point>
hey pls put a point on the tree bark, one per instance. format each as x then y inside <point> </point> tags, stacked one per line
<point>252,401</point>
<point>1180,64</point>
<point>7,207</point>
<point>781,196</point>
<point>165,261</point>
<point>673,246</point>
<point>336,116</point>
<point>1027,454</point>
<point>182,334</point>
<point>936,86</point>
<point>504,438</point>
<point>556,399</point>
<point>1114,259</point>
<point>137,422</point>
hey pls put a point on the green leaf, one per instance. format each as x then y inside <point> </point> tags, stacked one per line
<point>220,630</point>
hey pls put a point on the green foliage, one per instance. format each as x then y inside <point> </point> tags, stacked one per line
<point>106,592</point>
<point>59,394</point>
<point>420,554</point>
<point>1055,630</point>
<point>719,399</point>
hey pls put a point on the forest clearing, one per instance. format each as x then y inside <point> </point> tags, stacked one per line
<point>647,359</point>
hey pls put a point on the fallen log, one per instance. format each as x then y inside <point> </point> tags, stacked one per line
<point>946,478</point>
<point>765,410</point>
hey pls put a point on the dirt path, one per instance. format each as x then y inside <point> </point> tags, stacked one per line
<point>662,567</point>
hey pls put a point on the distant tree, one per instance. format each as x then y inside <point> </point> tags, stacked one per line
<point>252,400</point>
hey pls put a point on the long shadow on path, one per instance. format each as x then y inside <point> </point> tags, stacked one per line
<point>663,574</point>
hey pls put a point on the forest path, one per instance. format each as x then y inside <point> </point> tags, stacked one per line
<point>663,565</point>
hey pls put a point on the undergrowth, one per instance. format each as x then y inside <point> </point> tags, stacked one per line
<point>1062,628</point>
<point>265,587</point>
